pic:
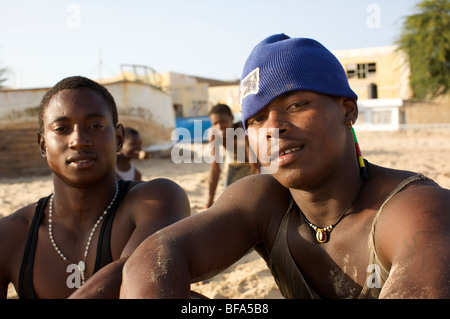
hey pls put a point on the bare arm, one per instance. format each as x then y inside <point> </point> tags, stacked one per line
<point>158,203</point>
<point>137,176</point>
<point>201,246</point>
<point>104,284</point>
<point>3,277</point>
<point>166,263</point>
<point>4,252</point>
<point>13,236</point>
<point>214,174</point>
<point>415,240</point>
<point>167,204</point>
<point>251,158</point>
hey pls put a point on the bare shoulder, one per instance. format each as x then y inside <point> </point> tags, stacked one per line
<point>258,200</point>
<point>260,184</point>
<point>149,207</point>
<point>18,222</point>
<point>413,239</point>
<point>156,188</point>
<point>13,234</point>
<point>421,204</point>
<point>158,197</point>
<point>256,191</point>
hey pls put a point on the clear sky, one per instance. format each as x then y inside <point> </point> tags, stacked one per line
<point>42,42</point>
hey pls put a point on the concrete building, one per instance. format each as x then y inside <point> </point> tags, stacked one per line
<point>380,78</point>
<point>194,96</point>
<point>376,73</point>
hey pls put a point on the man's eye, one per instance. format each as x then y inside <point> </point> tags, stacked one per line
<point>255,120</point>
<point>297,105</point>
<point>59,129</point>
<point>96,125</point>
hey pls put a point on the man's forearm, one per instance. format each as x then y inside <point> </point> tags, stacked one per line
<point>104,284</point>
<point>151,272</point>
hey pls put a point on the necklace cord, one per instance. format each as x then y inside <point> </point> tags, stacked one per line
<point>321,232</point>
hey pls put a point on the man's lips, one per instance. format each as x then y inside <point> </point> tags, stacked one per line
<point>81,161</point>
<point>285,155</point>
<point>290,150</point>
<point>277,152</point>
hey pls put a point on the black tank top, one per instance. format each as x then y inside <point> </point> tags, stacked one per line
<point>104,257</point>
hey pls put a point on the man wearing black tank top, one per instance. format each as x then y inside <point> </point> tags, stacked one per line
<point>51,248</point>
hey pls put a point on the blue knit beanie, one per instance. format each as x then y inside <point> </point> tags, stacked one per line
<point>280,64</point>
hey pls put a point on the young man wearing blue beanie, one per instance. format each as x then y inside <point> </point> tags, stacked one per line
<point>328,223</point>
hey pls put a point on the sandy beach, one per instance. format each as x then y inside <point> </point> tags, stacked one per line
<point>422,150</point>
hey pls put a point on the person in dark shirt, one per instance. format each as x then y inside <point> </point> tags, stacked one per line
<point>328,223</point>
<point>51,248</point>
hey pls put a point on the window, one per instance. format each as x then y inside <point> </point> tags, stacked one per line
<point>178,108</point>
<point>361,70</point>
<point>372,67</point>
<point>351,70</point>
<point>361,118</point>
<point>381,117</point>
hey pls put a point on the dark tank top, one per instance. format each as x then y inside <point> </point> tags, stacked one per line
<point>287,275</point>
<point>104,257</point>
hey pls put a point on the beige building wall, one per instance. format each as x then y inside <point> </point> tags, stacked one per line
<point>146,109</point>
<point>383,66</point>
<point>228,95</point>
<point>189,97</point>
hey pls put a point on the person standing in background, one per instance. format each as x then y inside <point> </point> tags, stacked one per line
<point>234,168</point>
<point>132,144</point>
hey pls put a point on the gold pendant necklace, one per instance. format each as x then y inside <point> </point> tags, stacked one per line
<point>321,233</point>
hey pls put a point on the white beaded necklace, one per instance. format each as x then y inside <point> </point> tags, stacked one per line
<point>82,263</point>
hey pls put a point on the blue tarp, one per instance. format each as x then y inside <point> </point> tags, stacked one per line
<point>192,129</point>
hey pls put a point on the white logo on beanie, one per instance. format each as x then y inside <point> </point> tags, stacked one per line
<point>249,85</point>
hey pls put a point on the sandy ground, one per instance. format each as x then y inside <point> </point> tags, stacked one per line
<point>421,150</point>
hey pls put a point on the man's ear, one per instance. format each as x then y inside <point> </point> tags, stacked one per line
<point>41,142</point>
<point>351,109</point>
<point>120,135</point>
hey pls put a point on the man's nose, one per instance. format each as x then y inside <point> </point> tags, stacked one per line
<point>276,124</point>
<point>79,138</point>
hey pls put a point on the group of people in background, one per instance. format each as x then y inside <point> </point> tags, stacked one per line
<point>221,119</point>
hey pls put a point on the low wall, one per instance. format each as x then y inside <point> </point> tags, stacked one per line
<point>19,153</point>
<point>426,112</point>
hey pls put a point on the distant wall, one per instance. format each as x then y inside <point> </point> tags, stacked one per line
<point>385,67</point>
<point>146,109</point>
<point>20,105</point>
<point>228,94</point>
<point>19,153</point>
<point>19,149</point>
<point>426,112</point>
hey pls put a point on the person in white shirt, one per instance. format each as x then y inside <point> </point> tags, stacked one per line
<point>131,148</point>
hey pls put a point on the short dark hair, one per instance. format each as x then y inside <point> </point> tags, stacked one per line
<point>75,82</point>
<point>130,132</point>
<point>221,109</point>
